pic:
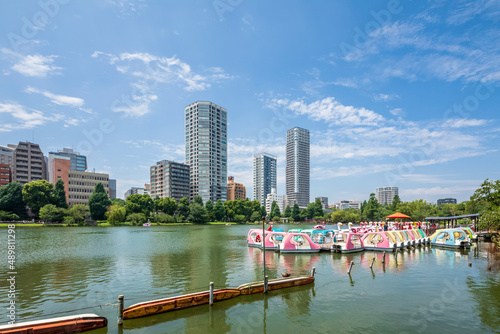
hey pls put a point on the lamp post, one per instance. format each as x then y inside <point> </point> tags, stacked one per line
<point>264,250</point>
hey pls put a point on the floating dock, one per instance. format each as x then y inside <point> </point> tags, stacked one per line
<point>201,298</point>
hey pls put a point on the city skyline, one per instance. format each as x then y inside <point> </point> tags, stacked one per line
<point>400,95</point>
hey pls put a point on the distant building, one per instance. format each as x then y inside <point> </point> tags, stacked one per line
<point>385,195</point>
<point>235,190</point>
<point>447,201</point>
<point>135,191</point>
<point>206,150</point>
<point>82,184</point>
<point>28,163</point>
<point>281,201</point>
<point>7,156</point>
<point>112,188</point>
<point>78,161</point>
<point>324,201</point>
<point>350,205</point>
<point>5,175</point>
<point>59,168</point>
<point>264,176</point>
<point>298,166</point>
<point>169,179</point>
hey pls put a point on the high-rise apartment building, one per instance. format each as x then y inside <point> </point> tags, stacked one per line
<point>82,184</point>
<point>59,167</point>
<point>135,191</point>
<point>28,163</point>
<point>385,195</point>
<point>206,150</point>
<point>235,190</point>
<point>264,176</point>
<point>298,166</point>
<point>169,179</point>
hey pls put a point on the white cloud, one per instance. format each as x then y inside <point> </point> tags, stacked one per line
<point>436,191</point>
<point>385,97</point>
<point>329,110</point>
<point>21,118</point>
<point>33,65</point>
<point>464,122</point>
<point>61,100</point>
<point>150,71</point>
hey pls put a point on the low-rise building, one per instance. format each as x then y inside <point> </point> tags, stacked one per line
<point>235,190</point>
<point>82,184</point>
<point>5,175</point>
<point>281,201</point>
<point>447,201</point>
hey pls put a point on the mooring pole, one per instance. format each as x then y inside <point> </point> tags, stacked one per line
<point>211,293</point>
<point>264,251</point>
<point>373,260</point>
<point>383,258</point>
<point>120,310</point>
<point>350,268</point>
<point>314,271</point>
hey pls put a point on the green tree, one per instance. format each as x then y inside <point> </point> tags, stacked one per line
<point>164,218</point>
<point>310,211</point>
<point>371,208</point>
<point>288,211</point>
<point>11,199</point>
<point>395,202</point>
<point>59,199</point>
<point>168,205</point>
<point>197,213</point>
<point>137,218</point>
<point>116,214</point>
<point>219,210</point>
<point>4,215</point>
<point>209,206</point>
<point>98,202</point>
<point>139,203</point>
<point>79,212</point>
<point>37,194</point>
<point>488,198</point>
<point>296,212</point>
<point>255,217</point>
<point>318,208</point>
<point>183,207</point>
<point>117,201</point>
<point>275,211</point>
<point>51,213</point>
<point>239,218</point>
<point>198,199</point>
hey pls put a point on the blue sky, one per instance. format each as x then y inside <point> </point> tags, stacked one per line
<point>395,93</point>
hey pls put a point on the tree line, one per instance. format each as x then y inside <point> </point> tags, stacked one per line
<point>42,200</point>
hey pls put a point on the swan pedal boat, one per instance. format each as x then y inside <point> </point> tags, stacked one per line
<point>450,238</point>
<point>298,243</point>
<point>70,324</point>
<point>347,243</point>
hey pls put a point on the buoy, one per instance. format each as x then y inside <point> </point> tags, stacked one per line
<point>470,264</point>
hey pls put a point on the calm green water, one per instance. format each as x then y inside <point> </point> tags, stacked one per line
<point>429,291</point>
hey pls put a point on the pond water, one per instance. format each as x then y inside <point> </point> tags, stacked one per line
<point>428,290</point>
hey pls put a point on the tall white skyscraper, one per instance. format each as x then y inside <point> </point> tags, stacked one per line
<point>385,195</point>
<point>297,166</point>
<point>206,150</point>
<point>264,176</point>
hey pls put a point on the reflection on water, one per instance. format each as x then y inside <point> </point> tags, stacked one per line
<point>62,269</point>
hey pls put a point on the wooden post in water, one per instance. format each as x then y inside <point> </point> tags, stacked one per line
<point>383,258</point>
<point>373,260</point>
<point>211,293</point>
<point>314,271</point>
<point>120,310</point>
<point>350,268</point>
<point>264,251</point>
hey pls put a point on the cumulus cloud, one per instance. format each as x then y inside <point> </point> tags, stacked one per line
<point>33,65</point>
